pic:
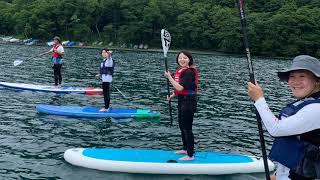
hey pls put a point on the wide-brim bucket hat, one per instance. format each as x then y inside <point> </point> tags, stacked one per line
<point>301,62</point>
<point>57,38</point>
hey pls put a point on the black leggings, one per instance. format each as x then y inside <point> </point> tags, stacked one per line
<point>186,110</point>
<point>57,74</point>
<point>106,94</point>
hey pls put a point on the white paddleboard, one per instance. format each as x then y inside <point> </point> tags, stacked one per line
<point>163,162</point>
<point>51,89</point>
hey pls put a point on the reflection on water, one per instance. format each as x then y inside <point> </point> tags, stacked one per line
<point>32,145</point>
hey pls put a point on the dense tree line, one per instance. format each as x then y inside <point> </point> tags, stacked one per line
<point>276,27</point>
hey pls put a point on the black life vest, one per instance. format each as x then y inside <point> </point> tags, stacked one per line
<point>107,70</point>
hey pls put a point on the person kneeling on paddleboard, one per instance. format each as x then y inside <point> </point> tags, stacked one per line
<point>106,73</point>
<point>57,61</point>
<point>297,129</point>
<point>185,83</point>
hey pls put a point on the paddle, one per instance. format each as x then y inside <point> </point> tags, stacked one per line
<point>166,40</point>
<point>124,96</point>
<point>18,62</point>
<point>252,79</point>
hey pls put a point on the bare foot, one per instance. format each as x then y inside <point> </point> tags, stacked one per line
<point>187,158</point>
<point>181,152</point>
<point>56,87</point>
<point>104,109</point>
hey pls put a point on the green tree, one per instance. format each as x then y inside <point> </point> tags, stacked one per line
<point>275,27</point>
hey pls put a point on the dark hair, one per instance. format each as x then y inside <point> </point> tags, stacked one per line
<point>188,54</point>
<point>105,49</point>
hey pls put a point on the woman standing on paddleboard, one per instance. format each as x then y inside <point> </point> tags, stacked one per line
<point>106,73</point>
<point>185,83</point>
<point>297,129</point>
<point>57,61</point>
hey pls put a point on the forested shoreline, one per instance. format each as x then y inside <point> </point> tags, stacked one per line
<point>275,27</point>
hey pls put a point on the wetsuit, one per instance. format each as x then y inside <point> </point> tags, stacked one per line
<point>187,103</point>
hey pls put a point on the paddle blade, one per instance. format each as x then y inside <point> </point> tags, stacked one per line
<point>17,62</point>
<point>166,40</point>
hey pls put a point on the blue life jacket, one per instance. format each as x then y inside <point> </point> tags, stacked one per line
<point>290,150</point>
<point>106,70</point>
<point>56,60</point>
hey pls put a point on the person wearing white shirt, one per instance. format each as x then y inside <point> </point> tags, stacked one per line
<point>57,60</point>
<point>106,73</point>
<point>297,129</point>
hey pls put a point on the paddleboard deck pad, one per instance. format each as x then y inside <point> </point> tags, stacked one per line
<point>51,89</point>
<point>93,112</point>
<point>163,162</point>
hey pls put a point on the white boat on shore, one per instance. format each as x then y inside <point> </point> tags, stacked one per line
<point>31,43</point>
<point>6,39</point>
<point>64,43</point>
<point>50,43</point>
<point>14,40</point>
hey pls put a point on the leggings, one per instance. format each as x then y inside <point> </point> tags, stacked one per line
<point>186,110</point>
<point>106,94</point>
<point>57,74</point>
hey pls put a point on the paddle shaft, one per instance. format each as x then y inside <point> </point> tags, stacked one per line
<point>32,57</point>
<point>168,89</point>
<point>124,96</point>
<point>21,61</point>
<point>252,79</point>
<point>41,54</point>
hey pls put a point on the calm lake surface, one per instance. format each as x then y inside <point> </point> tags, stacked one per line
<point>32,145</point>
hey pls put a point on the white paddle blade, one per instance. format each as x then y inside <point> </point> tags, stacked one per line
<point>166,40</point>
<point>17,62</point>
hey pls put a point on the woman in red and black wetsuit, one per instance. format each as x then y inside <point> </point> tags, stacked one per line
<point>185,83</point>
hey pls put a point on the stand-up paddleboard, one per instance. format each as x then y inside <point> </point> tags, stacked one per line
<point>93,112</point>
<point>33,87</point>
<point>163,162</point>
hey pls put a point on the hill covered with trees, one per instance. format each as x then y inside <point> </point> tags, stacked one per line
<point>276,27</point>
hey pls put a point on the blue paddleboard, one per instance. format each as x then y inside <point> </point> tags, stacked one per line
<point>163,162</point>
<point>93,112</point>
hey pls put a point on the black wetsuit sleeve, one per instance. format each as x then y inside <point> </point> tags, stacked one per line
<point>188,77</point>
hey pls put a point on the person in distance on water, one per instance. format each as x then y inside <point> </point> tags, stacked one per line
<point>297,129</point>
<point>185,83</point>
<point>106,73</point>
<point>57,54</point>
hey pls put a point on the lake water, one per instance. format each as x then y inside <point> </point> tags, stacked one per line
<point>32,145</point>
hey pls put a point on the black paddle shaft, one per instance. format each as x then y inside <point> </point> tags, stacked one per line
<point>252,79</point>
<point>168,90</point>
